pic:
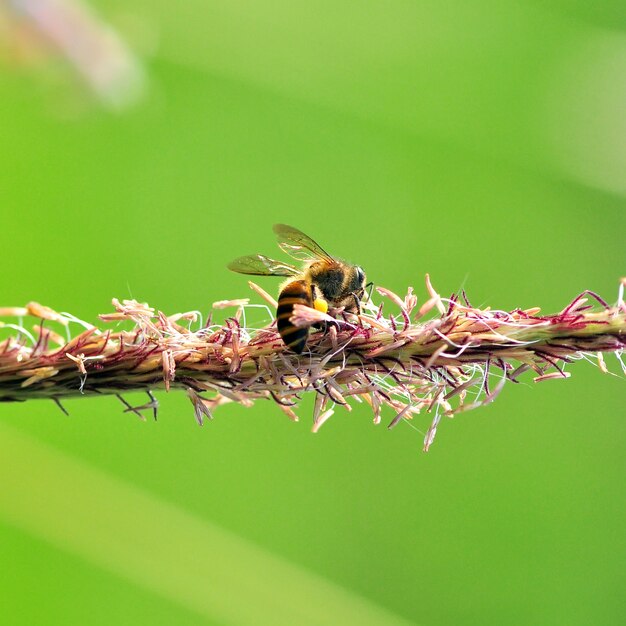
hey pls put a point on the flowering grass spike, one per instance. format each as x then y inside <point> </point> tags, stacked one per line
<point>440,358</point>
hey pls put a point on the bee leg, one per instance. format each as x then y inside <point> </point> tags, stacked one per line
<point>323,326</point>
<point>319,304</point>
<point>357,304</point>
<point>324,309</point>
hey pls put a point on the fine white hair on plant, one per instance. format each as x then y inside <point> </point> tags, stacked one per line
<point>442,358</point>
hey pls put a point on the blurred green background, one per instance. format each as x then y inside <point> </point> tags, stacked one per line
<point>482,142</point>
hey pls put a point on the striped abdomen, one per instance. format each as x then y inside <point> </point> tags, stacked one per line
<point>296,292</point>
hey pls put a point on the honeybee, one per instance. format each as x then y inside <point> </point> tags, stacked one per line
<point>323,281</point>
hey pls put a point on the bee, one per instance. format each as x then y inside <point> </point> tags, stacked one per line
<point>323,281</point>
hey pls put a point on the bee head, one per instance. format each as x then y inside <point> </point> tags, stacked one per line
<point>359,278</point>
<point>356,283</point>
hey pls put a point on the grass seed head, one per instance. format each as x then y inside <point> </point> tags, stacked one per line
<point>441,358</point>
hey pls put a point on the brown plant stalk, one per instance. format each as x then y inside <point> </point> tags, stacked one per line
<point>442,357</point>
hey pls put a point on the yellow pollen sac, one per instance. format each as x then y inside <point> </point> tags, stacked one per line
<point>320,305</point>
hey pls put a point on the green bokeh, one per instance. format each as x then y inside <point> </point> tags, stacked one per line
<point>422,137</point>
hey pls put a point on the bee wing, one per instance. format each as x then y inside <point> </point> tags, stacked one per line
<point>261,265</point>
<point>298,245</point>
